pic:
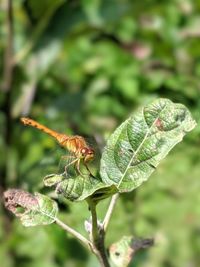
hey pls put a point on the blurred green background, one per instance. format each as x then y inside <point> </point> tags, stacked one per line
<point>81,67</point>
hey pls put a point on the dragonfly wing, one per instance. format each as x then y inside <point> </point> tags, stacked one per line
<point>67,164</point>
<point>50,160</point>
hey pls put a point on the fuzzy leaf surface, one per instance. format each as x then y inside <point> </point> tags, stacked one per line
<point>138,145</point>
<point>32,209</point>
<point>43,214</point>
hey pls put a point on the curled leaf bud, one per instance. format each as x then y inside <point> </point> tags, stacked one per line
<point>88,225</point>
<point>142,243</point>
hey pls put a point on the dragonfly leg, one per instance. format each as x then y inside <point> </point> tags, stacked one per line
<point>77,162</point>
<point>83,174</point>
<point>89,170</point>
<point>67,157</point>
<point>71,163</point>
<point>78,168</point>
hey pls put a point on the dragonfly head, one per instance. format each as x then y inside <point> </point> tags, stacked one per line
<point>87,154</point>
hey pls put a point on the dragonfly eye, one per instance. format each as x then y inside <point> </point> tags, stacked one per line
<point>91,152</point>
<point>87,153</point>
<point>83,151</point>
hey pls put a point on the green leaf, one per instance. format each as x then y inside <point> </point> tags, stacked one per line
<point>136,148</point>
<point>78,188</point>
<point>121,252</point>
<point>43,214</point>
<point>52,179</point>
<point>31,209</point>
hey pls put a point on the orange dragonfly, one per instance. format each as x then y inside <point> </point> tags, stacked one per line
<point>75,144</point>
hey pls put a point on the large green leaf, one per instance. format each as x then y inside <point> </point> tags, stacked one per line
<point>136,148</point>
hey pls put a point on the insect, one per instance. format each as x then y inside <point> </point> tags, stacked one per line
<point>80,151</point>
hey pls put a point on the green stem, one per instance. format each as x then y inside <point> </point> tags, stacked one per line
<point>8,64</point>
<point>97,237</point>
<point>110,211</point>
<point>76,234</point>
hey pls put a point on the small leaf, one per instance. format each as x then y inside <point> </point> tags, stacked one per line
<point>78,188</point>
<point>122,252</point>
<point>44,214</point>
<point>52,179</point>
<point>32,210</point>
<point>136,148</point>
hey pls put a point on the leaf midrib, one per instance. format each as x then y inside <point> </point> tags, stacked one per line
<point>145,137</point>
<point>39,210</point>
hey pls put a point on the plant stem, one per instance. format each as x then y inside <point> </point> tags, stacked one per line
<point>110,211</point>
<point>8,63</point>
<point>7,88</point>
<point>97,237</point>
<point>76,234</point>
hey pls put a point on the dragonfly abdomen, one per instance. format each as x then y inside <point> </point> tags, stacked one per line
<point>74,144</point>
<point>59,137</point>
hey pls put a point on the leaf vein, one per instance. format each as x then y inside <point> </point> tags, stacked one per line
<point>139,147</point>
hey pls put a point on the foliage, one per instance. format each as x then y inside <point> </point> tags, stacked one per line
<point>82,67</point>
<point>132,153</point>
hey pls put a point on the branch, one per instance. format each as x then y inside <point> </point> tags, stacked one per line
<point>6,87</point>
<point>7,82</point>
<point>97,237</point>
<point>95,234</point>
<point>8,57</point>
<point>76,234</point>
<point>110,211</point>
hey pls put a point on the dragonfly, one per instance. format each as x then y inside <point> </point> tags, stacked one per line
<point>79,150</point>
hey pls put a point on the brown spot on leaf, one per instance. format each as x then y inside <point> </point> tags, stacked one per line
<point>15,198</point>
<point>159,124</point>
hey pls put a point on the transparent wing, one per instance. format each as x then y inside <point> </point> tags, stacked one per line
<point>50,162</point>
<point>61,161</point>
<point>67,164</point>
